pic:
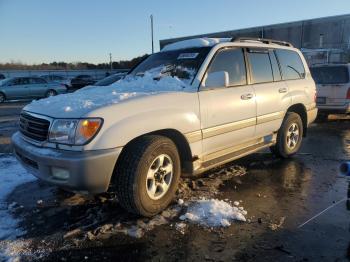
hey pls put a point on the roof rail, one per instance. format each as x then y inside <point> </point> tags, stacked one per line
<point>262,40</point>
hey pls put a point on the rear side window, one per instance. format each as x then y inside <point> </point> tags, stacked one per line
<point>291,65</point>
<point>330,74</point>
<point>260,65</point>
<point>232,61</point>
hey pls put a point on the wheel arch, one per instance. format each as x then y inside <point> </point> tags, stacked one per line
<point>180,142</point>
<point>300,109</point>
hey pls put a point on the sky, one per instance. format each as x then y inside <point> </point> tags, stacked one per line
<point>42,31</point>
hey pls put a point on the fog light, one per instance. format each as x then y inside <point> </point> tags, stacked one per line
<point>60,173</point>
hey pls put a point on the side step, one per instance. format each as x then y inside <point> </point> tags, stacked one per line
<point>203,166</point>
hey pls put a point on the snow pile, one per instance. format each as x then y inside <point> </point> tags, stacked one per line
<point>196,42</point>
<point>12,174</point>
<point>213,213</point>
<point>89,98</point>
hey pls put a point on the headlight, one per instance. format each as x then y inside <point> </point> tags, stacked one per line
<point>74,131</point>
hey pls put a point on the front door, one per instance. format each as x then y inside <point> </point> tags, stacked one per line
<point>228,114</point>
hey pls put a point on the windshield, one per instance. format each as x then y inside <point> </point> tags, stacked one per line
<point>183,64</point>
<point>109,80</point>
<point>330,74</point>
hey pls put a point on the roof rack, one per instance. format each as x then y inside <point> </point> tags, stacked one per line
<point>262,40</point>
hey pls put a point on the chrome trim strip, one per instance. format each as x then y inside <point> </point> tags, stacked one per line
<point>225,128</point>
<point>270,117</point>
<point>194,136</point>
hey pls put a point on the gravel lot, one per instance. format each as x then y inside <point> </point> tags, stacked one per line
<point>279,196</point>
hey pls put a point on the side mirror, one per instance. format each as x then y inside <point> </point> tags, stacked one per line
<point>217,79</point>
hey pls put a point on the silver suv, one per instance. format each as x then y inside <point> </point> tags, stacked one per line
<point>193,106</point>
<point>333,88</point>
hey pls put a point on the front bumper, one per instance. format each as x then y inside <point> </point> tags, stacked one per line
<point>89,171</point>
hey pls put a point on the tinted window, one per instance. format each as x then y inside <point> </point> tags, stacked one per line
<point>260,66</point>
<point>231,61</point>
<point>291,64</point>
<point>57,78</point>
<point>109,80</point>
<point>330,74</point>
<point>275,68</point>
<point>38,81</point>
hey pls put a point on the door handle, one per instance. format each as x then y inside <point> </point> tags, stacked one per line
<point>283,90</point>
<point>247,96</point>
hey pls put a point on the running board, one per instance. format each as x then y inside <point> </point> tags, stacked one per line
<point>205,165</point>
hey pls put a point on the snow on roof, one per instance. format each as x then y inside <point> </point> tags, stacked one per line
<point>196,42</point>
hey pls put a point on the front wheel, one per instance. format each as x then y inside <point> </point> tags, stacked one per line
<point>2,98</point>
<point>289,136</point>
<point>147,175</point>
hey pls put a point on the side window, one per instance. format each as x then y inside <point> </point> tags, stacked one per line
<point>232,61</point>
<point>275,68</point>
<point>260,66</point>
<point>291,65</point>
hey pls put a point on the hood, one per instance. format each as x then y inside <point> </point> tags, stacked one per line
<point>85,100</point>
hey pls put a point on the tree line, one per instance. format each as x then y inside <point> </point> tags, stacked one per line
<point>123,64</point>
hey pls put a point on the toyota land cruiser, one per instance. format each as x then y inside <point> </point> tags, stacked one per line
<point>193,106</point>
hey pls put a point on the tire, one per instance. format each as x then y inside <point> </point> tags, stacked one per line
<point>2,97</point>
<point>50,93</point>
<point>137,173</point>
<point>289,136</point>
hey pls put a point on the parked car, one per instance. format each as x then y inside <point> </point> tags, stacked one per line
<point>333,89</point>
<point>57,79</point>
<point>28,88</point>
<point>81,81</point>
<point>193,106</point>
<point>2,76</point>
<point>110,79</point>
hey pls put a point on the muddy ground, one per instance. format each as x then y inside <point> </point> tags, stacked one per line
<point>279,195</point>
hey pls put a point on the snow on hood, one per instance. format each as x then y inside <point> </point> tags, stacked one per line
<point>196,42</point>
<point>87,99</point>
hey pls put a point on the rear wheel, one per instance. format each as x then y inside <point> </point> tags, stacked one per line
<point>50,93</point>
<point>147,175</point>
<point>289,136</point>
<point>2,98</point>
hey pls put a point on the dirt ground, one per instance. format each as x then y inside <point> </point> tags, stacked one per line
<point>279,195</point>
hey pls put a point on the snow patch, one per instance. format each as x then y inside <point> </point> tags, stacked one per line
<point>12,175</point>
<point>196,42</point>
<point>213,213</point>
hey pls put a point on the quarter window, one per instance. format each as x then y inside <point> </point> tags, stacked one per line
<point>260,65</point>
<point>291,65</point>
<point>232,61</point>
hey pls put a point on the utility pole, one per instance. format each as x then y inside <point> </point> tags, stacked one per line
<point>152,33</point>
<point>110,61</point>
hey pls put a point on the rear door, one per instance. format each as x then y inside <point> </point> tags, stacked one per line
<point>332,84</point>
<point>272,96</point>
<point>38,87</point>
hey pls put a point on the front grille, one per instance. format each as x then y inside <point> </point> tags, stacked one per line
<point>34,127</point>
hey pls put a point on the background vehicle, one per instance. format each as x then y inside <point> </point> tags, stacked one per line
<point>333,88</point>
<point>81,81</point>
<point>193,106</point>
<point>57,79</point>
<point>28,88</point>
<point>2,77</point>
<point>110,79</point>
